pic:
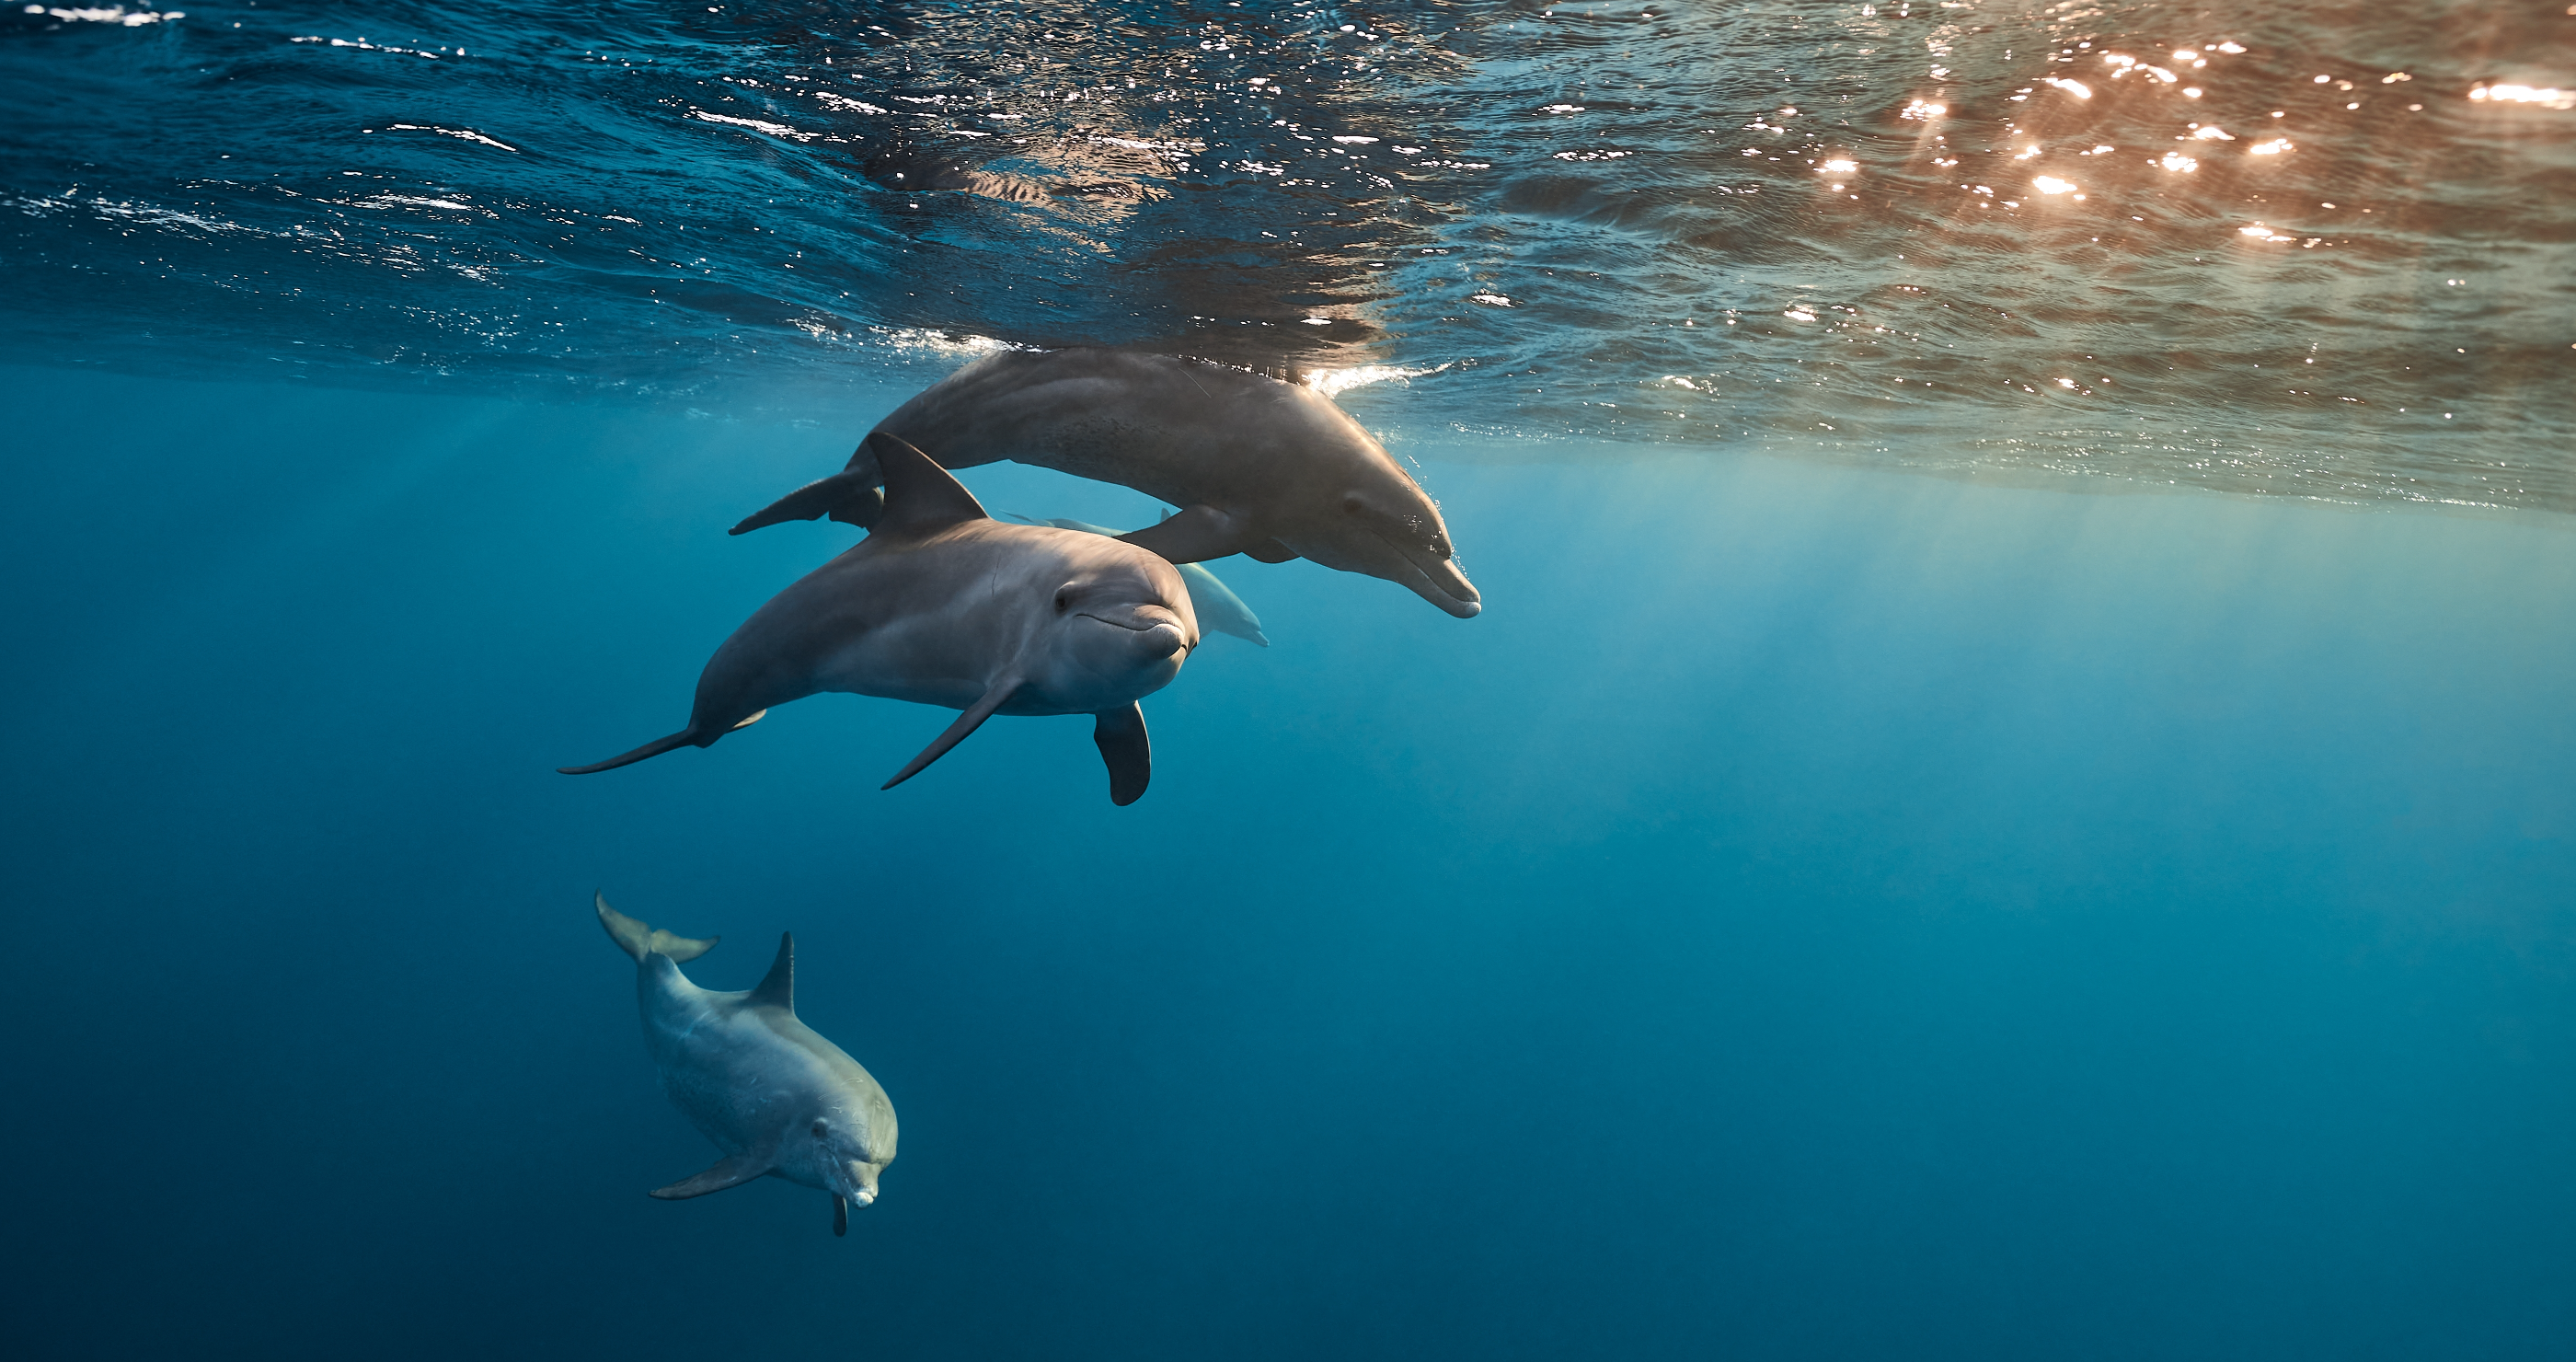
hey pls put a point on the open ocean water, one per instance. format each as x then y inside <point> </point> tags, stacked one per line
<point>2014,795</point>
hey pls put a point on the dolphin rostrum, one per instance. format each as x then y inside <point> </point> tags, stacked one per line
<point>779,1100</point>
<point>1258,466</point>
<point>1219,610</point>
<point>943,605</point>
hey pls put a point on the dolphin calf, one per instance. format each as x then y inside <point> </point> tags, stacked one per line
<point>779,1100</point>
<point>1258,466</point>
<point>1220,611</point>
<point>944,605</point>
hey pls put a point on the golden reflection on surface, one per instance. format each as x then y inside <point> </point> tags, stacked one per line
<point>2525,94</point>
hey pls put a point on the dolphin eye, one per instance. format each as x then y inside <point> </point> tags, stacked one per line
<point>1062,600</point>
<point>1351,505</point>
<point>821,1127</point>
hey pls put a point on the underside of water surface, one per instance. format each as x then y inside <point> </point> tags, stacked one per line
<point>2309,249</point>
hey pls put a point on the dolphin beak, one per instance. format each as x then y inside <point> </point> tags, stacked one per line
<point>863,1182</point>
<point>1156,633</point>
<point>1438,579</point>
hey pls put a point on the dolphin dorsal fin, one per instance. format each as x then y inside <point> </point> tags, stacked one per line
<point>921,497</point>
<point>778,987</point>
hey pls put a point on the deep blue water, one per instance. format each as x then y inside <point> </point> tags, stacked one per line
<point>1813,913</point>
<point>2014,796</point>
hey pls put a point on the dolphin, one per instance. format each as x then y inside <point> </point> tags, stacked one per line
<point>1220,611</point>
<point>944,605</point>
<point>779,1100</point>
<point>1259,467</point>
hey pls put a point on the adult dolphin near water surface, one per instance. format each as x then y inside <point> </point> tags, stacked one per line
<point>1259,467</point>
<point>943,605</point>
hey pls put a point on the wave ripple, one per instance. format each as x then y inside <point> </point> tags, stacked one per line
<point>2289,248</point>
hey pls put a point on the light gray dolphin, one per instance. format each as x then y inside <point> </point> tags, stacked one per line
<point>1258,466</point>
<point>779,1100</point>
<point>944,605</point>
<point>1220,611</point>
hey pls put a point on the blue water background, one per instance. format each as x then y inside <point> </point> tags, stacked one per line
<point>1814,913</point>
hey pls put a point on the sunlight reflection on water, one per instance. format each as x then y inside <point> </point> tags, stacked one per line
<point>1875,232</point>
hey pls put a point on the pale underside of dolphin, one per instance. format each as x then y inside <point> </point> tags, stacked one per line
<point>1259,467</point>
<point>943,605</point>
<point>777,1099</point>
<point>1220,611</point>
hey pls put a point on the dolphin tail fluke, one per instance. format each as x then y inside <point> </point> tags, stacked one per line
<point>639,940</point>
<point>1120,735</point>
<point>967,722</point>
<point>684,738</point>
<point>728,1172</point>
<point>849,496</point>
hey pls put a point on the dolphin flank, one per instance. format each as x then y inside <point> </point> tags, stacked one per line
<point>777,1099</point>
<point>1257,466</point>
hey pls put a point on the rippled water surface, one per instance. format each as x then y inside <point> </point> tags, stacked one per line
<point>2311,249</point>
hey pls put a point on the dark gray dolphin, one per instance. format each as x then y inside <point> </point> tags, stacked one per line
<point>778,1099</point>
<point>1258,466</point>
<point>1220,611</point>
<point>943,605</point>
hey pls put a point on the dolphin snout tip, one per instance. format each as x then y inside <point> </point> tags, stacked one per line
<point>1162,639</point>
<point>865,1196</point>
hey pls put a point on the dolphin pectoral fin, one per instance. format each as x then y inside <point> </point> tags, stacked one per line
<point>967,722</point>
<point>756,716</point>
<point>1197,534</point>
<point>863,509</point>
<point>849,496</point>
<point>727,1172</point>
<point>1268,551</point>
<point>840,1216</point>
<point>684,738</point>
<point>1120,735</point>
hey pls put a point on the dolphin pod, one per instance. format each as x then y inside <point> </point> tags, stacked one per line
<point>1259,467</point>
<point>943,605</point>
<point>1220,611</point>
<point>779,1100</point>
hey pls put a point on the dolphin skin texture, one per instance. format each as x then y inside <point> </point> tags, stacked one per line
<point>943,605</point>
<point>1258,466</point>
<point>777,1099</point>
<point>1219,610</point>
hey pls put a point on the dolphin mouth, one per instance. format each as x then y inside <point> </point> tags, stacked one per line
<point>1157,632</point>
<point>859,1183</point>
<point>1436,578</point>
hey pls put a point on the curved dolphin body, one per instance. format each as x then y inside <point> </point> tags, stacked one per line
<point>1258,466</point>
<point>1220,611</point>
<point>779,1100</point>
<point>943,605</point>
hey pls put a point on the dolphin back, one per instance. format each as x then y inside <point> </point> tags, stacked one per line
<point>639,940</point>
